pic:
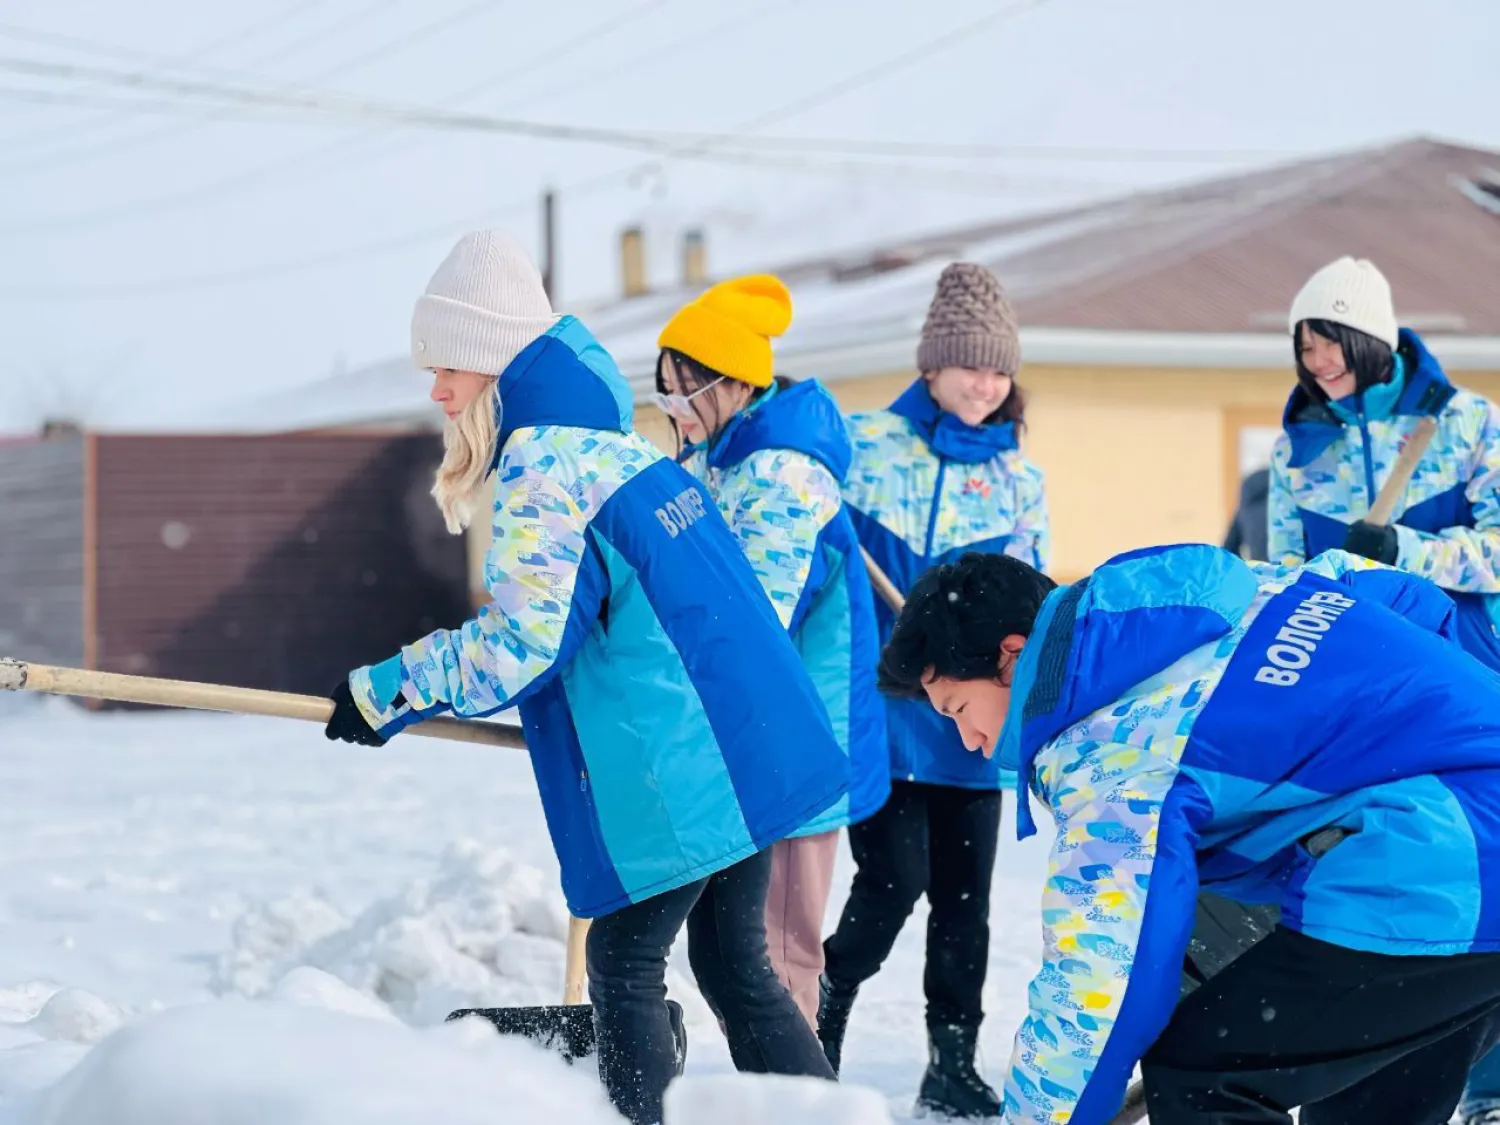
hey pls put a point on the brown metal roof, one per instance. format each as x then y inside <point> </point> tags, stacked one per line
<point>1227,255</point>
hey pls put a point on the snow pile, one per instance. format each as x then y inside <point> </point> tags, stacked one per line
<point>43,1010</point>
<point>76,1016</point>
<point>51,1029</point>
<point>485,931</point>
<point>756,1099</point>
<point>243,1062</point>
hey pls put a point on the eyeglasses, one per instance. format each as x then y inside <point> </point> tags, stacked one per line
<point>680,406</point>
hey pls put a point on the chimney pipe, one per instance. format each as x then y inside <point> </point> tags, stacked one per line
<point>694,258</point>
<point>633,262</point>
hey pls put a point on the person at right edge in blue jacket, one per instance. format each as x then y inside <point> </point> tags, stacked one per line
<point>937,473</point>
<point>1312,737</point>
<point>1362,383</point>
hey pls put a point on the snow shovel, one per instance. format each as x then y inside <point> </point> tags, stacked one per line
<point>17,675</point>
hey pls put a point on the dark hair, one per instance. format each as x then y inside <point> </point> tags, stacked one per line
<point>955,618</point>
<point>1367,357</point>
<point>1013,409</point>
<point>695,376</point>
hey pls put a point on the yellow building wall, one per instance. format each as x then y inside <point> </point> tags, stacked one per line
<point>1132,456</point>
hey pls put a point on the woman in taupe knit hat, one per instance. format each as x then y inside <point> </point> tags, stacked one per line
<point>936,474</point>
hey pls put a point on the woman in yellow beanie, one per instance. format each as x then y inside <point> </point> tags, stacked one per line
<point>774,455</point>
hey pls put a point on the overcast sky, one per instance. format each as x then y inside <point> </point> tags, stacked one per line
<point>155,257</point>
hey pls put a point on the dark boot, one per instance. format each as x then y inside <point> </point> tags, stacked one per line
<point>834,1003</point>
<point>952,1087</point>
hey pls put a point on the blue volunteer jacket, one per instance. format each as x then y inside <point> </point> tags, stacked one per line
<point>631,632</point>
<point>923,489</point>
<point>1331,460</point>
<point>775,470</point>
<point>1193,721</point>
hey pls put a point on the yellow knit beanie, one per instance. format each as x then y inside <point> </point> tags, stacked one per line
<point>729,327</point>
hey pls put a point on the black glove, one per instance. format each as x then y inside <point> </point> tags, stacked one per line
<point>347,723</point>
<point>1373,541</point>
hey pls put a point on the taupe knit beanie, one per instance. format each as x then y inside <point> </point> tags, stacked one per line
<point>970,323</point>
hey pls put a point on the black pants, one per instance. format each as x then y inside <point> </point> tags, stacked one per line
<point>1356,1038</point>
<point>936,840</point>
<point>726,931</point>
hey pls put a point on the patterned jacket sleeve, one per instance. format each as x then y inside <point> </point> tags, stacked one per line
<point>1032,540</point>
<point>546,590</point>
<point>777,502</point>
<point>1286,543</point>
<point>1117,912</point>
<point>1464,559</point>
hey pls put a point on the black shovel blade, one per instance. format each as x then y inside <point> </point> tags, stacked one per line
<point>566,1028</point>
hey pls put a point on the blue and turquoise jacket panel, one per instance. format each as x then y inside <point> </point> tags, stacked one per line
<point>1332,458</point>
<point>775,471</point>
<point>633,635</point>
<point>1190,721</point>
<point>923,489</point>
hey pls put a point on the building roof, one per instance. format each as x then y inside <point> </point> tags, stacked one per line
<point>1219,259</point>
<point>1200,275</point>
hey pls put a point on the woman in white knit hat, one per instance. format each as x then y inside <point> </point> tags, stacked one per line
<point>632,633</point>
<point>1362,385</point>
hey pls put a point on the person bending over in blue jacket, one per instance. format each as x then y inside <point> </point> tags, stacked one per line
<point>1309,736</point>
<point>625,624</point>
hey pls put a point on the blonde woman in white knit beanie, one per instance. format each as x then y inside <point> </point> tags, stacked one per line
<point>674,733</point>
<point>1363,383</point>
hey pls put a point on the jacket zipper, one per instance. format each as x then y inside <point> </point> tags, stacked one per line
<point>937,495</point>
<point>1364,434</point>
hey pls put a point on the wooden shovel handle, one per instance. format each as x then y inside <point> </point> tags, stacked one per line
<point>1401,472</point>
<point>18,675</point>
<point>883,584</point>
<point>575,968</point>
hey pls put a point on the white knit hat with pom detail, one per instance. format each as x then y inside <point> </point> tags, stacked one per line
<point>483,307</point>
<point>1351,292</point>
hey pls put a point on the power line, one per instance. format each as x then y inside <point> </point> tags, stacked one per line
<point>269,270</point>
<point>337,109</point>
<point>320,103</point>
<point>390,46</point>
<point>223,42</point>
<point>307,162</point>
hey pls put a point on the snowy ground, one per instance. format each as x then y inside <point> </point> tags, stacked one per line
<point>278,925</point>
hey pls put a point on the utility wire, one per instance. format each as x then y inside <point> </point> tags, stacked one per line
<point>446,120</point>
<point>588,186</point>
<point>399,43</point>
<point>188,58</point>
<point>315,160</point>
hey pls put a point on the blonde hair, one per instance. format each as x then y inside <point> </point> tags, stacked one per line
<point>468,453</point>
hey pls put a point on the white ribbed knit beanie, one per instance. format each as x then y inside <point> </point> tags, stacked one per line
<point>1351,292</point>
<point>483,306</point>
